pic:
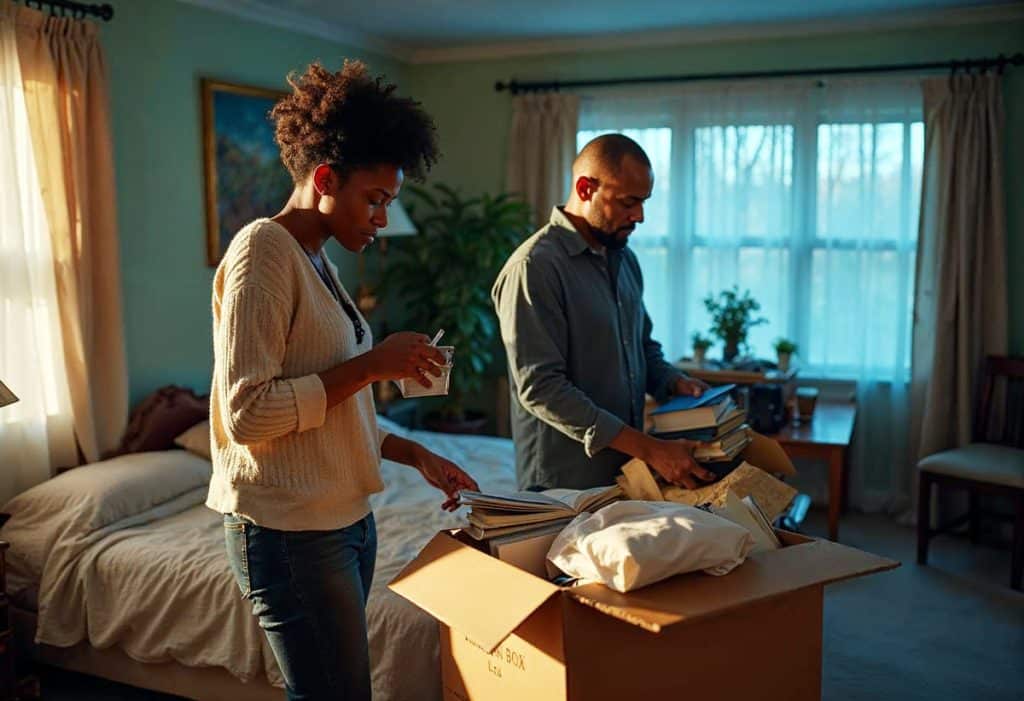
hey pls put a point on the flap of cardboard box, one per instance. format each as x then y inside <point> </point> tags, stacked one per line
<point>470,591</point>
<point>767,454</point>
<point>686,598</point>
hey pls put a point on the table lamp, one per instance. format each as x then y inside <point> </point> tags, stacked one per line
<point>6,395</point>
<point>399,224</point>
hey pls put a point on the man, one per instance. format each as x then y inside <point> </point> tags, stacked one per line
<point>578,337</point>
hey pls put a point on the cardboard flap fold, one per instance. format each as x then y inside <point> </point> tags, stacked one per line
<point>767,454</point>
<point>470,591</point>
<point>689,597</point>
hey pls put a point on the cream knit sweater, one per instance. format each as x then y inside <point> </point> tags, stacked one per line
<point>279,457</point>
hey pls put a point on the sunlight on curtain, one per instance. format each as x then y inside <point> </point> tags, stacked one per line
<point>807,194</point>
<point>35,433</point>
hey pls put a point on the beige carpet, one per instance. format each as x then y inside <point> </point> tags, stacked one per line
<point>950,630</point>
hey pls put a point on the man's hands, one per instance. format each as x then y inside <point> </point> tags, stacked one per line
<point>689,387</point>
<point>674,461</point>
<point>405,354</point>
<point>445,475</point>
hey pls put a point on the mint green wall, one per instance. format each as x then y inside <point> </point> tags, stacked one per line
<point>157,50</point>
<point>473,119</point>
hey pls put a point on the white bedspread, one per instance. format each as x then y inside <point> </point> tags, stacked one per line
<point>157,583</point>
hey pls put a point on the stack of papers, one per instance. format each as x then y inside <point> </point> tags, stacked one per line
<point>499,514</point>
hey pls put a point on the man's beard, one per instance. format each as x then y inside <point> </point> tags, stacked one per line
<point>611,241</point>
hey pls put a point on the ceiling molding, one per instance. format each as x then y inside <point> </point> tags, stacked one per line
<point>265,12</point>
<point>736,32</point>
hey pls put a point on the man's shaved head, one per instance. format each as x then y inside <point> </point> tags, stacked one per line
<point>612,178</point>
<point>604,155</point>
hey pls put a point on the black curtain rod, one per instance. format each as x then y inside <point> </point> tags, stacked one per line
<point>79,10</point>
<point>999,62</point>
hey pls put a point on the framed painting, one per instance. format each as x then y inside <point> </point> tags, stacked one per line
<point>245,178</point>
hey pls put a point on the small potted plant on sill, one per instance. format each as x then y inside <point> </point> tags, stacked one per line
<point>785,350</point>
<point>701,344</point>
<point>732,317</point>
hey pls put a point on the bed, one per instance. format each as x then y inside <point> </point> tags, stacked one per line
<point>117,569</point>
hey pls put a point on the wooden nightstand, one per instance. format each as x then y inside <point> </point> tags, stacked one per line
<point>11,688</point>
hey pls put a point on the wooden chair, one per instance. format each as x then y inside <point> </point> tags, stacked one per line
<point>989,465</point>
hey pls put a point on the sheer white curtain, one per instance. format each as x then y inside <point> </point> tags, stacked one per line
<point>541,150</point>
<point>36,433</point>
<point>806,194</point>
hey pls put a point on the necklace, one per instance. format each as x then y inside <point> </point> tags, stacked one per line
<point>349,310</point>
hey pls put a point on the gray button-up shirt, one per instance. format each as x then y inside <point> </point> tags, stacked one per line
<point>580,356</point>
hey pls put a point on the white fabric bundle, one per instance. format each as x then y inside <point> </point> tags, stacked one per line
<point>630,544</point>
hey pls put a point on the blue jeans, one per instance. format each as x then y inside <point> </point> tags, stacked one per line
<point>309,589</point>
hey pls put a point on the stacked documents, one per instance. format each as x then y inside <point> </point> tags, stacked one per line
<point>500,514</point>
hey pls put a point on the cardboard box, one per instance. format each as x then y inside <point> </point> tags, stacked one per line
<point>508,635</point>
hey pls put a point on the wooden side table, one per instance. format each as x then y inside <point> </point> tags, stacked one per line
<point>827,437</point>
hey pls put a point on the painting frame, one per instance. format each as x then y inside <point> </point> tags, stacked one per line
<point>211,90</point>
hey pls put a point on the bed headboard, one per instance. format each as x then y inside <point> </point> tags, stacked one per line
<point>162,416</point>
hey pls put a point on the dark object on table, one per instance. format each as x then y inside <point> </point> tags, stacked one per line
<point>766,409</point>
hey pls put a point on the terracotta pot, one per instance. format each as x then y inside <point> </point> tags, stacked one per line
<point>784,362</point>
<point>474,423</point>
<point>699,355</point>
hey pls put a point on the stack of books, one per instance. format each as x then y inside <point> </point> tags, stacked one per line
<point>712,419</point>
<point>493,515</point>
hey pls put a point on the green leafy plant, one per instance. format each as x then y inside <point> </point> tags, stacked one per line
<point>701,342</point>
<point>784,345</point>
<point>443,275</point>
<point>732,317</point>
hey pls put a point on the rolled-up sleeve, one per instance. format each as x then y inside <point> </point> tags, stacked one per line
<point>531,312</point>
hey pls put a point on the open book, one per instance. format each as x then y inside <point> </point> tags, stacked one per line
<point>501,511</point>
<point>745,512</point>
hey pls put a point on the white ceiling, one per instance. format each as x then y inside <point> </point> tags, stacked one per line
<point>428,28</point>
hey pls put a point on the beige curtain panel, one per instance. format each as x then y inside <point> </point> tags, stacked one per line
<point>961,291</point>
<point>541,149</point>
<point>66,95</point>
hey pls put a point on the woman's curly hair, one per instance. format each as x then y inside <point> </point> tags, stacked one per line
<point>351,121</point>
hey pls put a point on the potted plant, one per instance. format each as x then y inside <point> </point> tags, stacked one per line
<point>701,344</point>
<point>443,277</point>
<point>785,350</point>
<point>732,318</point>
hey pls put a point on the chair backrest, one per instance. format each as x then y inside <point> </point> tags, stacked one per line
<point>1002,382</point>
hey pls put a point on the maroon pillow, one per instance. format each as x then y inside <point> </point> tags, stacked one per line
<point>161,417</point>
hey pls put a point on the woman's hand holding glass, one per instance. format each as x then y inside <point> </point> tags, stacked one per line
<point>406,354</point>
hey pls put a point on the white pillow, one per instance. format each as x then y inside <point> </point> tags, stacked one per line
<point>92,496</point>
<point>196,439</point>
<point>630,544</point>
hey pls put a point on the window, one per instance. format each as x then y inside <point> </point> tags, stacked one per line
<point>807,196</point>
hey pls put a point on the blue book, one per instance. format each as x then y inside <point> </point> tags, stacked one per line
<point>726,423</point>
<point>684,403</point>
<point>687,413</point>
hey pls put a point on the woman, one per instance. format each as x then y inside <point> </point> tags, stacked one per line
<point>296,447</point>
